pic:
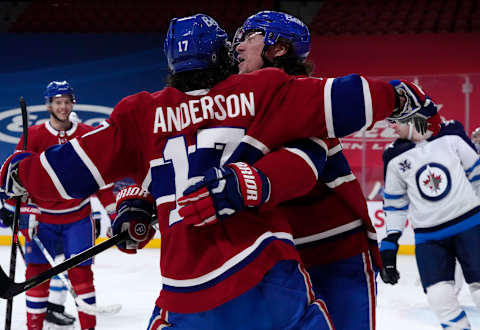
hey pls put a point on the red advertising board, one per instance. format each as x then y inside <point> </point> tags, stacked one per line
<point>457,96</point>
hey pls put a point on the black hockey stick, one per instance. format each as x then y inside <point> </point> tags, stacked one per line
<point>82,305</point>
<point>9,288</point>
<point>13,253</point>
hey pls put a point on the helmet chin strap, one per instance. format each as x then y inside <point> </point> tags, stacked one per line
<point>410,130</point>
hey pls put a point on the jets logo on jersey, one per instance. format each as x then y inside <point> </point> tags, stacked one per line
<point>405,165</point>
<point>433,181</point>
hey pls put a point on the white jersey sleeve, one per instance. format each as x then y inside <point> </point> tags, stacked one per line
<point>470,162</point>
<point>395,199</point>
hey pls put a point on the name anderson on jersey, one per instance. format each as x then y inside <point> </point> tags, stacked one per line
<point>193,112</point>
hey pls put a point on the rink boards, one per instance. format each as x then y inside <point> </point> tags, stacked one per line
<point>375,209</point>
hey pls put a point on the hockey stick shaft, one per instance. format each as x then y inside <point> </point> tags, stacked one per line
<point>83,306</point>
<point>13,253</point>
<point>50,260</point>
<point>9,288</point>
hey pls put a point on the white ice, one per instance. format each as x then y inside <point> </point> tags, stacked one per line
<point>134,282</point>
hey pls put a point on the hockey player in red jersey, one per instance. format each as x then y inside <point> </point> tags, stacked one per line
<point>66,223</point>
<point>163,139</point>
<point>331,226</point>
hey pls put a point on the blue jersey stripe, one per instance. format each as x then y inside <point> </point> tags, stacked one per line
<point>64,161</point>
<point>245,262</point>
<point>313,150</point>
<point>392,196</point>
<point>351,106</point>
<point>448,231</point>
<point>335,167</point>
<point>245,152</point>
<point>391,208</point>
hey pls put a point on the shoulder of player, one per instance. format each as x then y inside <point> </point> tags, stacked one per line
<point>132,102</point>
<point>266,74</point>
<point>398,147</point>
<point>35,130</point>
<point>452,128</point>
<point>84,127</point>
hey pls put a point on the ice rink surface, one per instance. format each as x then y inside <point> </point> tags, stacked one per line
<point>134,282</point>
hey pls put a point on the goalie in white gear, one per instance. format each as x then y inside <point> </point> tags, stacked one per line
<point>434,178</point>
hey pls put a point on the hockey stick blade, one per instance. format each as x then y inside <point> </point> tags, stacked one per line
<point>9,288</point>
<point>99,310</point>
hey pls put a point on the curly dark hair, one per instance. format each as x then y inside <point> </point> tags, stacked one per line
<point>203,78</point>
<point>291,63</point>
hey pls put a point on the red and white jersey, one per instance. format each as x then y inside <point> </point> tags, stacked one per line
<point>42,136</point>
<point>329,218</point>
<point>164,139</point>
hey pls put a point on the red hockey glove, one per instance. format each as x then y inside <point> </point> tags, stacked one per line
<point>222,192</point>
<point>28,224</point>
<point>413,105</point>
<point>10,185</point>
<point>135,208</point>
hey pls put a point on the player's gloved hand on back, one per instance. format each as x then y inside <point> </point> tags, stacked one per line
<point>222,192</point>
<point>413,105</point>
<point>28,223</point>
<point>10,184</point>
<point>135,209</point>
<point>388,252</point>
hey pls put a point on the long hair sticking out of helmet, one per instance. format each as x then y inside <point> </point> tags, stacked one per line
<point>197,53</point>
<point>58,88</point>
<point>278,27</point>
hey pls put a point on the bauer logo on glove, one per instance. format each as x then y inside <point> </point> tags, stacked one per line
<point>222,192</point>
<point>135,210</point>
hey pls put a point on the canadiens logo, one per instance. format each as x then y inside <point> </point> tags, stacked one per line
<point>11,120</point>
<point>405,165</point>
<point>433,181</point>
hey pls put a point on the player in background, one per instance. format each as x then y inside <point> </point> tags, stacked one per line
<point>330,222</point>
<point>66,224</point>
<point>476,138</point>
<point>56,315</point>
<point>162,139</point>
<point>435,178</point>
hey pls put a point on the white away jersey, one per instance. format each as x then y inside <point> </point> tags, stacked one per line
<point>435,180</point>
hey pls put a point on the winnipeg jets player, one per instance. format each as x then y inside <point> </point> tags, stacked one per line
<point>434,177</point>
